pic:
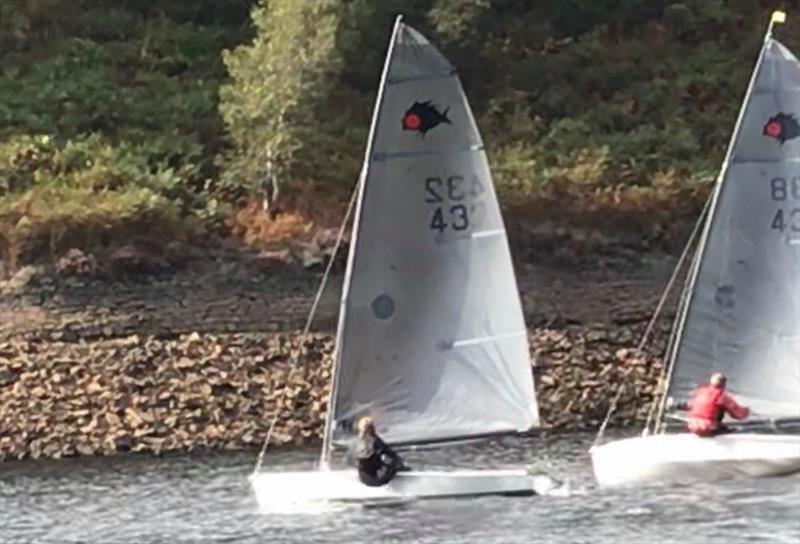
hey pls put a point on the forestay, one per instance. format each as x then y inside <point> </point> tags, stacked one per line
<point>743,315</point>
<point>432,340</point>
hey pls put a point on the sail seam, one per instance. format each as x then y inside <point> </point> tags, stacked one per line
<point>408,79</point>
<point>381,157</point>
<point>765,161</point>
<point>784,90</point>
<point>484,339</point>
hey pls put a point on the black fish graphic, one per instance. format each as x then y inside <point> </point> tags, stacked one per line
<point>424,116</point>
<point>782,127</point>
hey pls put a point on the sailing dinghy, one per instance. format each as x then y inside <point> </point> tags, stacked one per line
<point>740,313</point>
<point>431,341</point>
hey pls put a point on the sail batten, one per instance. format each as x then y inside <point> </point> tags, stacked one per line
<point>433,343</point>
<point>483,339</point>
<point>765,161</point>
<point>743,312</point>
<point>488,233</point>
<point>382,157</point>
<point>785,90</point>
<point>409,79</point>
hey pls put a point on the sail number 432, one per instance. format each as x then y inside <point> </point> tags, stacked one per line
<point>785,190</point>
<point>455,198</point>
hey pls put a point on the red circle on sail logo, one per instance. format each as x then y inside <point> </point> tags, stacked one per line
<point>424,116</point>
<point>411,121</point>
<point>782,127</point>
<point>773,129</point>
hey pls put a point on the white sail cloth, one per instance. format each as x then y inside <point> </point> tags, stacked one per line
<point>743,316</point>
<point>432,342</point>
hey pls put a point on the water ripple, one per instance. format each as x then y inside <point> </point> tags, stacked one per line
<point>205,499</point>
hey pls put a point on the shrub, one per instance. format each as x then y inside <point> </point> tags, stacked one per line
<point>109,121</point>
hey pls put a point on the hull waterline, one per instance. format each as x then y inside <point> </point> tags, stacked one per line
<point>277,490</point>
<point>685,458</point>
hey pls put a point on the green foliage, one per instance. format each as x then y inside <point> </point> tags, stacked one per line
<point>575,17</point>
<point>630,105</point>
<point>108,118</point>
<point>123,117</point>
<point>80,191</point>
<point>298,104</point>
<point>271,106</point>
<point>591,94</point>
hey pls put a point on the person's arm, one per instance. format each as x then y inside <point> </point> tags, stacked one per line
<point>672,404</point>
<point>383,449</point>
<point>688,405</point>
<point>735,410</point>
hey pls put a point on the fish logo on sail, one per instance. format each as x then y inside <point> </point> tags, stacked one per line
<point>424,116</point>
<point>782,127</point>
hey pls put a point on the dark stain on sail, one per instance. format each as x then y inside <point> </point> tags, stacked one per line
<point>724,296</point>
<point>782,127</point>
<point>445,345</point>
<point>424,116</point>
<point>346,424</point>
<point>383,307</point>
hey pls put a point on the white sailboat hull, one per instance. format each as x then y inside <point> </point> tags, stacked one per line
<point>684,458</point>
<point>276,489</point>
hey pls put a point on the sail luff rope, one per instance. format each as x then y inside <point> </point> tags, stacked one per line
<point>327,434</point>
<point>651,324</point>
<point>309,321</point>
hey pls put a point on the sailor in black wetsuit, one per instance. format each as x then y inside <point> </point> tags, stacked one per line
<point>377,462</point>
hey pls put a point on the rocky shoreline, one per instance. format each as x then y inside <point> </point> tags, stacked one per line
<point>144,394</point>
<point>91,366</point>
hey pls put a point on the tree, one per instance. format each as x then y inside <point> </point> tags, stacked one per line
<point>271,107</point>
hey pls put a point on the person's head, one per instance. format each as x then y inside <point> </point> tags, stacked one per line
<point>718,380</point>
<point>366,427</point>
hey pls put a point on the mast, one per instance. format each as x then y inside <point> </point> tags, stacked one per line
<point>777,17</point>
<point>324,461</point>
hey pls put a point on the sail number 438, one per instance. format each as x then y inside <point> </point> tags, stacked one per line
<point>786,190</point>
<point>455,198</point>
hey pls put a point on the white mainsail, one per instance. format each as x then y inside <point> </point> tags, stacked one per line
<point>432,341</point>
<point>743,314</point>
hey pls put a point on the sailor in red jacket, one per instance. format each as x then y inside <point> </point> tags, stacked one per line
<point>709,406</point>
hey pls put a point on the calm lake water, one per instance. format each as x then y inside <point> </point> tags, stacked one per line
<point>206,498</point>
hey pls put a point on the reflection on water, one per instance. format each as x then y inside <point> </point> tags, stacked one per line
<point>207,499</point>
